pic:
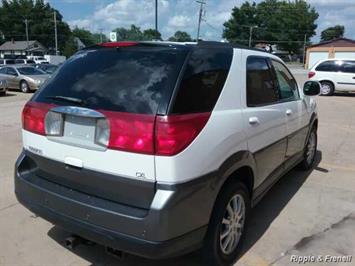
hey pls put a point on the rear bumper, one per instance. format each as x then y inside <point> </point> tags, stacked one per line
<point>175,223</point>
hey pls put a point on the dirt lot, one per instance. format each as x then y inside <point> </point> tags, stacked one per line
<point>304,214</point>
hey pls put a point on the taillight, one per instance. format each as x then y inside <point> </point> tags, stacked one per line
<point>175,132</point>
<point>131,132</point>
<point>54,124</point>
<point>311,74</point>
<point>33,117</point>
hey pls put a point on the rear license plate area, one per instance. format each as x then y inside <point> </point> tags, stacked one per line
<point>81,129</point>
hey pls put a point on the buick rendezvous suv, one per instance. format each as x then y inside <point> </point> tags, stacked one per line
<point>158,149</point>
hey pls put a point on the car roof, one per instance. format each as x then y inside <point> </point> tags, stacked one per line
<point>200,44</point>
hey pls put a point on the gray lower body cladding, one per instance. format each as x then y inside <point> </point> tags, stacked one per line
<point>175,223</point>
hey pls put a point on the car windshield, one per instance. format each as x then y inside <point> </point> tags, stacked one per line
<point>30,71</point>
<point>10,62</point>
<point>131,79</point>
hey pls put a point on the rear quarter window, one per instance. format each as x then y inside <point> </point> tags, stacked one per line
<point>203,79</point>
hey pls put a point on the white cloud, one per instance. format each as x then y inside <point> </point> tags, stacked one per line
<point>183,15</point>
<point>122,13</point>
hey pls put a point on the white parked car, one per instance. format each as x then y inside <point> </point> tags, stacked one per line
<point>334,75</point>
<point>39,60</point>
<point>158,149</point>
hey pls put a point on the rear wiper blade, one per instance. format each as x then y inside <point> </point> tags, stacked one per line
<point>66,99</point>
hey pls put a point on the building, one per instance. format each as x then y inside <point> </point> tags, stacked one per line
<point>338,48</point>
<point>21,48</point>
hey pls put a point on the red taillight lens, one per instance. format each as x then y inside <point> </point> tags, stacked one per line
<point>33,116</point>
<point>175,132</point>
<point>311,74</point>
<point>131,132</point>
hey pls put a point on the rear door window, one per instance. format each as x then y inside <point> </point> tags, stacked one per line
<point>328,66</point>
<point>128,79</point>
<point>348,67</point>
<point>204,77</point>
<point>3,70</point>
<point>11,71</point>
<point>261,88</point>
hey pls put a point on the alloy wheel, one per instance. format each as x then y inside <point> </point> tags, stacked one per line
<point>232,224</point>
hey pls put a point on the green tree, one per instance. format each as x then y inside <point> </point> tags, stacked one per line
<point>285,23</point>
<point>332,33</point>
<point>180,36</point>
<point>132,34</point>
<point>70,47</point>
<point>85,36</point>
<point>40,22</point>
<point>151,34</point>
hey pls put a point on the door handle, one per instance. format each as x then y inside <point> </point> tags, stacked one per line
<point>288,112</point>
<point>254,121</point>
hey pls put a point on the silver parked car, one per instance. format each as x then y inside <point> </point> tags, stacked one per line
<point>25,78</point>
<point>3,86</point>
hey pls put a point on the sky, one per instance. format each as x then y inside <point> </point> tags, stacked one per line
<point>106,15</point>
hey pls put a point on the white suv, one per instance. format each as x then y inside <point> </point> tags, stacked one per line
<point>334,75</point>
<point>158,149</point>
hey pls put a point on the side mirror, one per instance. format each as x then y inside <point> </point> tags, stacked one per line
<point>311,88</point>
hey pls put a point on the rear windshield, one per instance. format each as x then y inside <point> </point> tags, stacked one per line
<point>30,71</point>
<point>130,79</point>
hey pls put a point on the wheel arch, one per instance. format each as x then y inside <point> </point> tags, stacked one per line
<point>239,167</point>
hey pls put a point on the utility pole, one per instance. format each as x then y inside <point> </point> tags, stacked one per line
<point>251,33</point>
<point>55,33</point>
<point>304,49</point>
<point>202,3</point>
<point>27,39</point>
<point>156,15</point>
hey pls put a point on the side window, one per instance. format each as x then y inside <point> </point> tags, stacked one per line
<point>11,71</point>
<point>19,61</point>
<point>286,83</point>
<point>348,67</point>
<point>3,70</point>
<point>1,62</point>
<point>261,89</point>
<point>203,79</point>
<point>328,66</point>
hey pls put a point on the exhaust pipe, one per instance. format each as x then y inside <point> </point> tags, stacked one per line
<point>118,254</point>
<point>72,241</point>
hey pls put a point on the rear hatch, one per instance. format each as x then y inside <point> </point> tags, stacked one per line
<point>91,126</point>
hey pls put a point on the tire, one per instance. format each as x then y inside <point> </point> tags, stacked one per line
<point>327,88</point>
<point>215,250</point>
<point>310,151</point>
<point>3,93</point>
<point>24,87</point>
